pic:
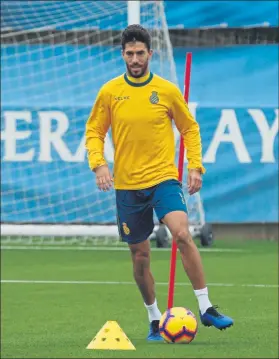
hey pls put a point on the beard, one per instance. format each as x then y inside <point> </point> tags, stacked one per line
<point>137,73</point>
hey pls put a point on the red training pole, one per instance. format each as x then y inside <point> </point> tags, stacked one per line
<point>180,175</point>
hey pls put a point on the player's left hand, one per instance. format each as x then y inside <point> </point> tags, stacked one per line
<point>194,181</point>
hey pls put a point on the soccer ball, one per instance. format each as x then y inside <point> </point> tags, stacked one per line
<point>178,325</point>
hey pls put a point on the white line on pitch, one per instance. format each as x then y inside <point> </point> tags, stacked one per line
<point>23,281</point>
<point>84,248</point>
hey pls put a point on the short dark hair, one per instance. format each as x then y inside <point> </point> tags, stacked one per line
<point>135,33</point>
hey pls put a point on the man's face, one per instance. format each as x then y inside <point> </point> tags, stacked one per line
<point>137,58</point>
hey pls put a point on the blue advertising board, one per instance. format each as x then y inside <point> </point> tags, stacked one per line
<point>44,172</point>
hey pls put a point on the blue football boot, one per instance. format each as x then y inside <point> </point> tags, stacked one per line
<point>154,332</point>
<point>213,318</point>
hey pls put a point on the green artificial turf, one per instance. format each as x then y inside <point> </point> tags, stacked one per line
<point>58,320</point>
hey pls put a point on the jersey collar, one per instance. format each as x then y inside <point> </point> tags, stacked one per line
<point>142,81</point>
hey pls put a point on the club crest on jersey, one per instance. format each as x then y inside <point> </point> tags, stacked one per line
<point>154,97</point>
<point>126,229</point>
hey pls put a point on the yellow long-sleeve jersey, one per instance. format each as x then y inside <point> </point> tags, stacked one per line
<point>140,113</point>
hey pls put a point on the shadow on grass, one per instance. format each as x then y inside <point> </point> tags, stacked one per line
<point>196,343</point>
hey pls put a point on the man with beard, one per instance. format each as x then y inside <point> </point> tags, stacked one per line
<point>140,106</point>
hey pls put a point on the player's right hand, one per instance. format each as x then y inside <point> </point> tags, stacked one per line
<point>104,179</point>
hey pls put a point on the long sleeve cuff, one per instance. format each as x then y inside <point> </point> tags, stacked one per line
<point>96,161</point>
<point>196,166</point>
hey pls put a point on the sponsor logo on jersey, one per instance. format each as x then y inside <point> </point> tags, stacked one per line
<point>121,98</point>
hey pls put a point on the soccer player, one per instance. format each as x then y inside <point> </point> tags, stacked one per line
<point>140,106</point>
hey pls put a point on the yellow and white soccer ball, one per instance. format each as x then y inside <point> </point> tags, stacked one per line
<point>178,325</point>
